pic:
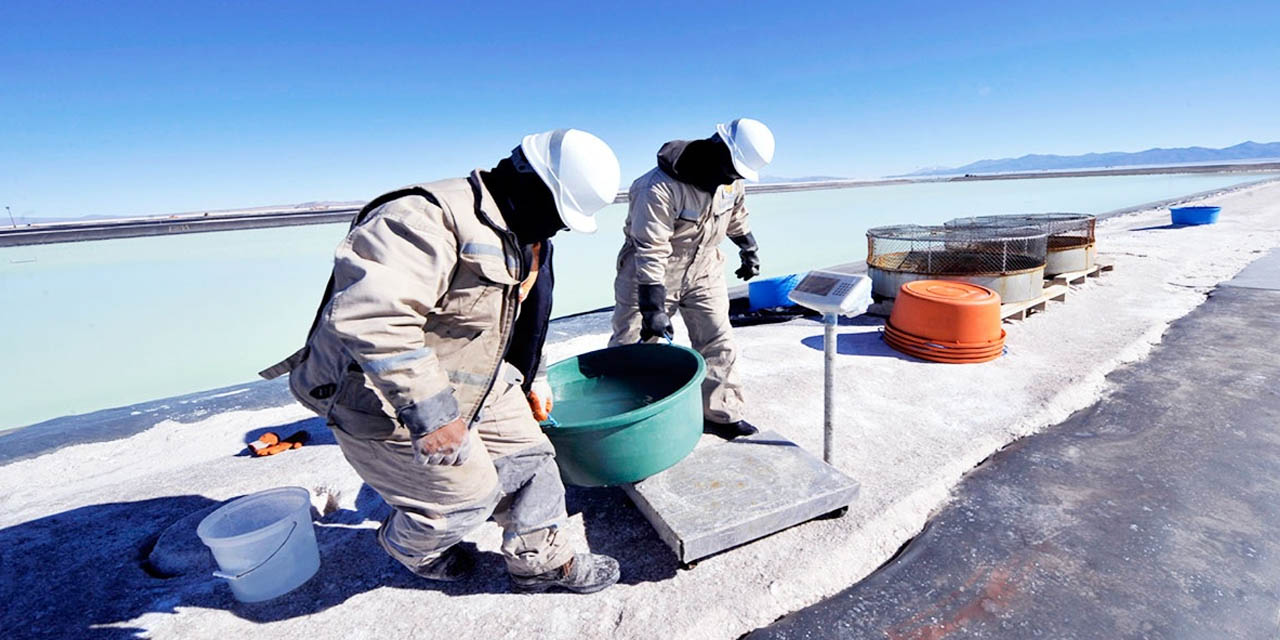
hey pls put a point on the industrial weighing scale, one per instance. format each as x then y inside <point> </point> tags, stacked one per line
<point>729,494</point>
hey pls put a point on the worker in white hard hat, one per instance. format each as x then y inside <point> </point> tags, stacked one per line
<point>406,361</point>
<point>680,213</point>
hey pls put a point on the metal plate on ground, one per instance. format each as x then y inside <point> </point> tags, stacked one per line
<point>728,494</point>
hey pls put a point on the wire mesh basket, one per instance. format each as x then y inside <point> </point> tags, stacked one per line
<point>956,250</point>
<point>1064,230</point>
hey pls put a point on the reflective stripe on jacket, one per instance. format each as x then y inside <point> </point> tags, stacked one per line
<point>424,299</point>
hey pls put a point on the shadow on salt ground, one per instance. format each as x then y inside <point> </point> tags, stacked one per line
<point>1165,226</point>
<point>77,574</point>
<point>315,427</point>
<point>73,574</point>
<point>616,528</point>
<point>865,343</point>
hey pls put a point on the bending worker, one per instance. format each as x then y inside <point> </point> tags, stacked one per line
<point>680,212</point>
<point>406,361</point>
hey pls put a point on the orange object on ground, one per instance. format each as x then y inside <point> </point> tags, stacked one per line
<point>947,311</point>
<point>943,357</point>
<point>276,448</point>
<point>945,321</point>
<point>907,338</point>
<point>930,353</point>
<point>269,444</point>
<point>264,442</point>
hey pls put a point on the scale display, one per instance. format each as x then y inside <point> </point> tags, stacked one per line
<point>829,292</point>
<point>817,285</point>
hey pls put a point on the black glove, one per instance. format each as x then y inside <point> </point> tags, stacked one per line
<point>747,253</point>
<point>654,320</point>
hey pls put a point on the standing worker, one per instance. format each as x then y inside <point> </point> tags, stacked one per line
<point>406,361</point>
<point>680,212</point>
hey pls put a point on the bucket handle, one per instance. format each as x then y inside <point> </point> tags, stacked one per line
<point>664,337</point>
<point>232,577</point>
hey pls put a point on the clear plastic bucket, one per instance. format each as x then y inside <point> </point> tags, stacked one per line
<point>264,543</point>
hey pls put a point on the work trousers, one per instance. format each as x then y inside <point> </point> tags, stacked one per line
<point>696,289</point>
<point>509,475</point>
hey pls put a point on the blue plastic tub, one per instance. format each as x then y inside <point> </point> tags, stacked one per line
<point>771,292</point>
<point>1194,215</point>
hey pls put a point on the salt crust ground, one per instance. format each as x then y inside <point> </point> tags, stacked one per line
<point>77,522</point>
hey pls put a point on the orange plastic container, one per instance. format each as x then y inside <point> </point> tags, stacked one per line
<point>941,350</point>
<point>942,356</point>
<point>902,336</point>
<point>947,311</point>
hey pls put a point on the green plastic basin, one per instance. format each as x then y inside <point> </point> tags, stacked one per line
<point>625,413</point>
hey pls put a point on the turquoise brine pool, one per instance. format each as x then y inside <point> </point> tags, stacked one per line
<point>92,325</point>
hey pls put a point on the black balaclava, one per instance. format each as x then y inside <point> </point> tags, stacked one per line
<point>705,164</point>
<point>526,203</point>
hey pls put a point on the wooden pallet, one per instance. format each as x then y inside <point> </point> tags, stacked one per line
<point>1078,277</point>
<point>1008,311</point>
<point>1020,310</point>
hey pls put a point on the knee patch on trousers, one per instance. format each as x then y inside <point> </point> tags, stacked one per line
<point>534,494</point>
<point>414,539</point>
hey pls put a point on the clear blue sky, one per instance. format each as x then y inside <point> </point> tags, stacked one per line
<point>124,107</point>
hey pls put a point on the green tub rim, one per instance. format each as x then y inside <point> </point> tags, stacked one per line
<point>635,415</point>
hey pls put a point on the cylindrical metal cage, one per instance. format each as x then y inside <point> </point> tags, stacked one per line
<point>1065,230</point>
<point>962,251</point>
<point>1009,259</point>
<point>1070,236</point>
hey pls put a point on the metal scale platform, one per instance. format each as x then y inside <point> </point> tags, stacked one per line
<point>729,494</point>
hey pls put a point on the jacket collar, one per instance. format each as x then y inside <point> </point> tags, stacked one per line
<point>486,206</point>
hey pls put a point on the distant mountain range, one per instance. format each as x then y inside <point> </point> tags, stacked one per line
<point>1181,155</point>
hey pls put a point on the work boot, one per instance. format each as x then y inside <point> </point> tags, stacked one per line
<point>453,565</point>
<point>585,573</point>
<point>730,430</point>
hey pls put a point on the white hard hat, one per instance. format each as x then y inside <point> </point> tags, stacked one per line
<point>750,145</point>
<point>579,168</point>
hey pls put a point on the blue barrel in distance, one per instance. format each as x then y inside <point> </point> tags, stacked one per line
<point>1194,215</point>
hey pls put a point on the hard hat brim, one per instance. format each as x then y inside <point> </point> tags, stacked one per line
<point>736,155</point>
<point>576,221</point>
<point>535,147</point>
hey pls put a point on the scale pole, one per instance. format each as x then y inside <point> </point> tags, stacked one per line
<point>829,322</point>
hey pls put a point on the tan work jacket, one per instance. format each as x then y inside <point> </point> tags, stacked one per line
<point>424,299</point>
<point>670,223</point>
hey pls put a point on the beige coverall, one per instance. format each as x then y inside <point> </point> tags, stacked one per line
<point>425,294</point>
<point>673,235</point>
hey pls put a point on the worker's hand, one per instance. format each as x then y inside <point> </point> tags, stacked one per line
<point>448,445</point>
<point>747,248</point>
<point>654,321</point>
<point>540,400</point>
<point>655,324</point>
<point>750,265</point>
